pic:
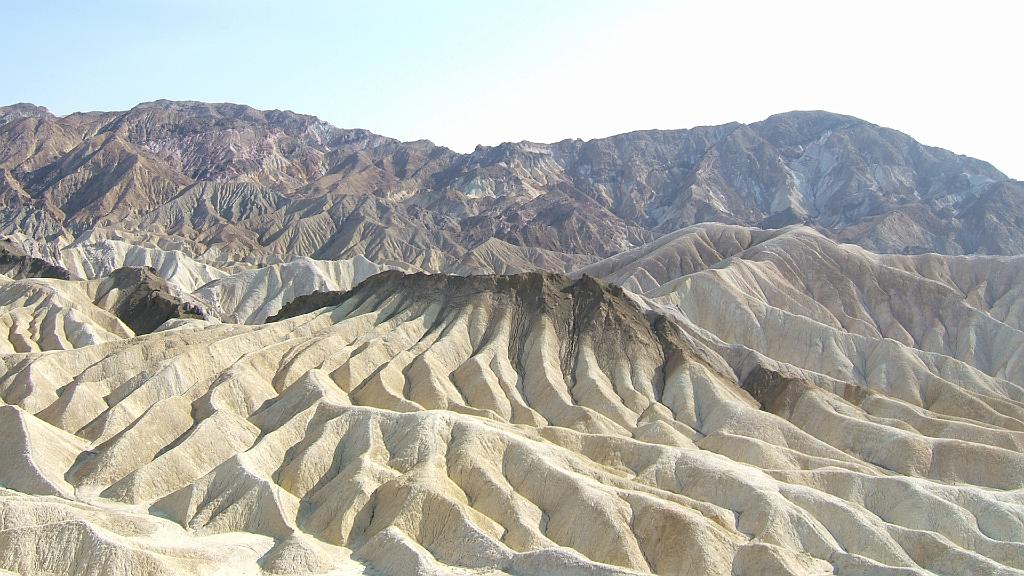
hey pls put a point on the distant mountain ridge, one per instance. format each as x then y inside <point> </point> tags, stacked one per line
<point>264,186</point>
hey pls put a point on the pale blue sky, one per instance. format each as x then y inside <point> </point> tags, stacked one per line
<point>466,72</point>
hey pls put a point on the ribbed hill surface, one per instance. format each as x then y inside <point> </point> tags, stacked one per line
<point>527,424</point>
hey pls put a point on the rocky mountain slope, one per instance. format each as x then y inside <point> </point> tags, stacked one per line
<point>264,185</point>
<point>15,262</point>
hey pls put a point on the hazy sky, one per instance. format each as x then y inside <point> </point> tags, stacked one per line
<point>463,73</point>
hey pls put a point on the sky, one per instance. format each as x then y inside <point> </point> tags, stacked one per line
<point>462,73</point>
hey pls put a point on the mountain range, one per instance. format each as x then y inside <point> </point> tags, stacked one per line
<point>247,342</point>
<point>227,182</point>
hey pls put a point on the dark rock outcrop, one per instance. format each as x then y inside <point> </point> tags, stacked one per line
<point>309,303</point>
<point>142,299</point>
<point>17,264</point>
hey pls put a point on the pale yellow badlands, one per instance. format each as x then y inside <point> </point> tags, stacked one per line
<point>773,403</point>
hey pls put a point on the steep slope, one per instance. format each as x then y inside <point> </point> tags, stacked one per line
<point>675,255</point>
<point>527,424</point>
<point>243,292</point>
<point>495,256</point>
<point>141,299</point>
<point>39,314</point>
<point>901,334</point>
<point>16,263</point>
<point>267,186</point>
<point>46,314</point>
<point>250,296</point>
<point>229,292</point>
<point>89,260</point>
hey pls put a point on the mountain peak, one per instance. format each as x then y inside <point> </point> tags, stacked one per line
<point>22,110</point>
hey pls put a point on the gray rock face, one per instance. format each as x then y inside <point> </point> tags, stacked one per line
<point>267,184</point>
<point>142,299</point>
<point>15,263</point>
<point>308,303</point>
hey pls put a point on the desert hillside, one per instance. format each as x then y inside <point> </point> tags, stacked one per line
<point>247,342</point>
